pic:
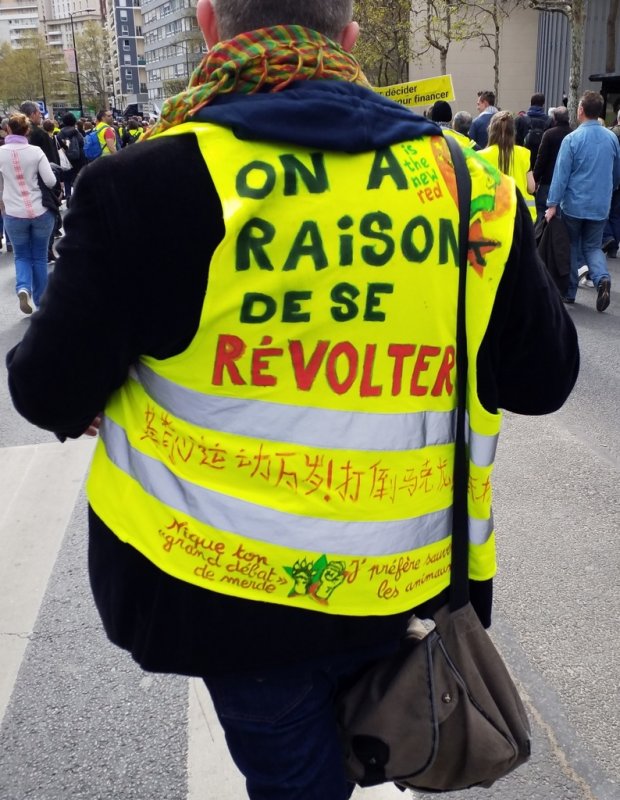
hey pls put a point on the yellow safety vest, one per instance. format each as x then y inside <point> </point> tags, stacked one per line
<point>100,130</point>
<point>464,141</point>
<point>519,168</point>
<point>300,450</point>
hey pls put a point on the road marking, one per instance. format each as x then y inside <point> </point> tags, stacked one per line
<point>39,486</point>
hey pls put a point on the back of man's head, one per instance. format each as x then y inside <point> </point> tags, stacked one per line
<point>560,115</point>
<point>462,122</point>
<point>101,114</point>
<point>592,104</point>
<point>538,99</point>
<point>29,108</point>
<point>441,111</point>
<point>487,96</point>
<point>238,16</point>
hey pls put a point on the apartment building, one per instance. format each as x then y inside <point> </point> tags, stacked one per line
<point>18,18</point>
<point>126,42</point>
<point>173,46</point>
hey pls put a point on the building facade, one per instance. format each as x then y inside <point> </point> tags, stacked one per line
<point>126,43</point>
<point>18,20</point>
<point>173,46</point>
<point>534,57</point>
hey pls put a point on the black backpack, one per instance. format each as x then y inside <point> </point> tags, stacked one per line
<point>534,136</point>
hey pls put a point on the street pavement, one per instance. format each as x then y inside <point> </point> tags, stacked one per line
<point>80,720</point>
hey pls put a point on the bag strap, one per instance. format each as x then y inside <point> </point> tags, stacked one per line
<point>459,576</point>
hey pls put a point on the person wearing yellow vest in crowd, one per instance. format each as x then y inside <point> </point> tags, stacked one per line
<point>271,492</point>
<point>106,133</point>
<point>510,158</point>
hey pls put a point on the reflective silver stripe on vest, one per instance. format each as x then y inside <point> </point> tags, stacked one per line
<point>253,521</point>
<point>481,448</point>
<point>312,427</point>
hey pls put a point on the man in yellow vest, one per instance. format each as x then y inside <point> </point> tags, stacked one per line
<point>106,133</point>
<point>272,490</point>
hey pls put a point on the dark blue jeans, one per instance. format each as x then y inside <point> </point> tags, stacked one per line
<point>586,236</point>
<point>612,228</point>
<point>281,729</point>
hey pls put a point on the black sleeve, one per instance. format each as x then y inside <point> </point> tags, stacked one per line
<point>539,165</point>
<point>529,358</point>
<point>126,283</point>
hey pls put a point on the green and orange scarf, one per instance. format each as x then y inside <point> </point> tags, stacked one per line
<point>268,59</point>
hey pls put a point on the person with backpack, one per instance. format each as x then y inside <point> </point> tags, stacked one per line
<point>538,121</point>
<point>72,142</point>
<point>101,141</point>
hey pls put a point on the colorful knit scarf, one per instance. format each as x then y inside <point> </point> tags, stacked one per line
<point>268,59</point>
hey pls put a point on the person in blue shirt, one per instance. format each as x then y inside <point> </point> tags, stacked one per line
<point>479,130</point>
<point>586,172</point>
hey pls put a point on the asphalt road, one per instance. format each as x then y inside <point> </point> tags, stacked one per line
<point>81,721</point>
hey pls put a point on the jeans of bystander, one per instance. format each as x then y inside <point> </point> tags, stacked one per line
<point>30,238</point>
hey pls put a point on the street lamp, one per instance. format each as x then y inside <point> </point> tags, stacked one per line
<point>75,55</point>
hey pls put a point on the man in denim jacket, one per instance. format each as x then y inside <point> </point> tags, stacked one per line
<point>585,175</point>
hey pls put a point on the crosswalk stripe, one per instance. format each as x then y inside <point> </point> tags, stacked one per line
<point>39,485</point>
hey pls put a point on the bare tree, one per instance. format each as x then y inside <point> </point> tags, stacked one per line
<point>94,63</point>
<point>576,11</point>
<point>439,23</point>
<point>489,15</point>
<point>384,48</point>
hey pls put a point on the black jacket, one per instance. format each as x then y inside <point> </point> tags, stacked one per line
<point>548,152</point>
<point>101,312</point>
<point>42,139</point>
<point>67,134</point>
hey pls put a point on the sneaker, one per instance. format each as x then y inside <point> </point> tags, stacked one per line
<point>25,302</point>
<point>568,300</point>
<point>586,283</point>
<point>609,242</point>
<point>604,292</point>
<point>583,271</point>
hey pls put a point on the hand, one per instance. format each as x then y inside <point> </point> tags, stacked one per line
<point>94,426</point>
<point>550,213</point>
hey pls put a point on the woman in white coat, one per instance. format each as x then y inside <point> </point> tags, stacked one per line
<point>27,222</point>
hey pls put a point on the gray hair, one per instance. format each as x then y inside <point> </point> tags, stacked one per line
<point>238,16</point>
<point>462,122</point>
<point>29,108</point>
<point>560,115</point>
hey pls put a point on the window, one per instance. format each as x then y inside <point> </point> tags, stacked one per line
<point>123,16</point>
<point>127,59</point>
<point>129,87</point>
<point>129,73</point>
<point>125,29</point>
<point>125,44</point>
